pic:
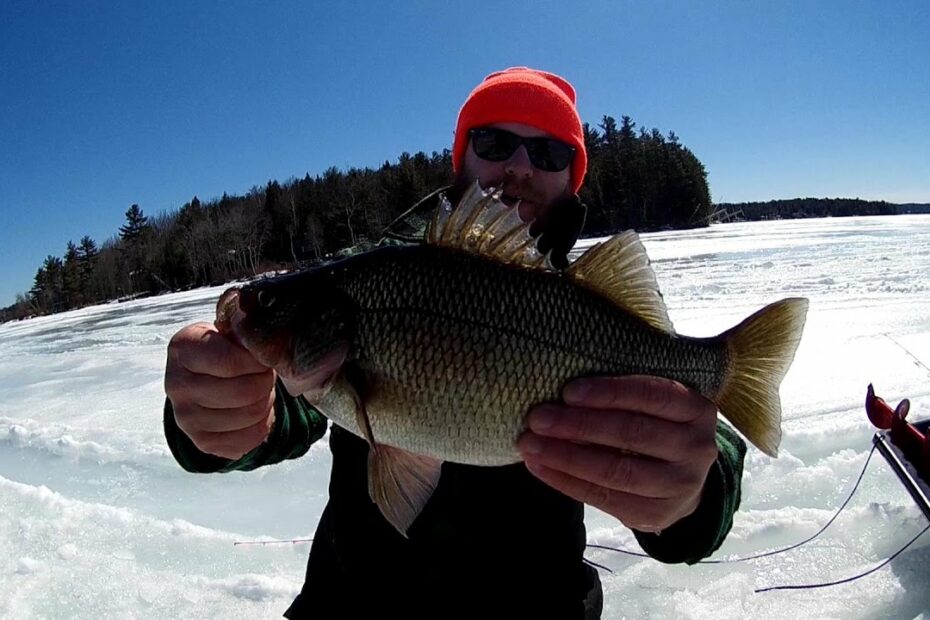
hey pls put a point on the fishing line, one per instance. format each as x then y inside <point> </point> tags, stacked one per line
<point>292,541</point>
<point>848,579</point>
<point>596,565</point>
<point>766,553</point>
<point>914,357</point>
<point>618,550</point>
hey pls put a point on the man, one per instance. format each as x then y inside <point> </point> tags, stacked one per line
<point>492,541</point>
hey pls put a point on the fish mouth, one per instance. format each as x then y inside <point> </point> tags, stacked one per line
<point>227,310</point>
<point>276,349</point>
<point>232,320</point>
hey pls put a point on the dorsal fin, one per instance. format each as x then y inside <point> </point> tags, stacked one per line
<point>619,269</point>
<point>483,225</point>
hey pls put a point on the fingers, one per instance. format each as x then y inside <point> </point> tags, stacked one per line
<point>216,393</point>
<point>648,415</point>
<point>234,444</point>
<point>201,349</point>
<point>223,399</point>
<point>637,447</point>
<point>207,369</point>
<point>197,418</point>
<point>636,512</point>
<point>625,430</point>
<point>658,396</point>
<point>611,470</point>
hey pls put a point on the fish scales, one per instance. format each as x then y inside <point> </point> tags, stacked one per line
<point>456,348</point>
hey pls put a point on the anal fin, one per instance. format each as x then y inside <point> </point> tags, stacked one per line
<point>400,483</point>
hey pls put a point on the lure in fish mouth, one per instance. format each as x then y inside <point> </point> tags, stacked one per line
<point>435,352</point>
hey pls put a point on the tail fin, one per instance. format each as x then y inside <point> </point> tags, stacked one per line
<point>761,349</point>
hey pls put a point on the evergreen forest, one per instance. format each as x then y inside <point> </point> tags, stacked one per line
<point>637,178</point>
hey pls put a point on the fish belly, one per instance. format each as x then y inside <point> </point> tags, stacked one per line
<point>457,392</point>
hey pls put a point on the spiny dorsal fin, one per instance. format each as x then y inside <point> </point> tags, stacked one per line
<point>619,269</point>
<point>483,225</point>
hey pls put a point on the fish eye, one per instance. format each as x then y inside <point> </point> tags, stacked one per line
<point>265,299</point>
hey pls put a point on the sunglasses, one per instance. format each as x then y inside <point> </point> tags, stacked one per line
<point>546,154</point>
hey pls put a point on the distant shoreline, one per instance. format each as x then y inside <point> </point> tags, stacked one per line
<point>790,209</point>
<point>6,314</point>
<point>801,208</point>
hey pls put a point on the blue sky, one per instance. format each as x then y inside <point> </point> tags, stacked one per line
<point>105,104</point>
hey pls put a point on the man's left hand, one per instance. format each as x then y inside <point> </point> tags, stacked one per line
<point>636,447</point>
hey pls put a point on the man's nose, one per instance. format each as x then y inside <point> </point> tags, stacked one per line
<point>519,164</point>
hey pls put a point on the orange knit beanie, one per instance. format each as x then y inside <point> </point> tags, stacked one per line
<point>522,95</point>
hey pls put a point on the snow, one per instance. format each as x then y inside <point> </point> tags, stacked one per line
<point>97,520</point>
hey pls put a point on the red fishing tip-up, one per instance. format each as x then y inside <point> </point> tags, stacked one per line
<point>881,414</point>
<point>914,444</point>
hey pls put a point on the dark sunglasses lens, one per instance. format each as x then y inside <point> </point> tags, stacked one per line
<point>494,145</point>
<point>544,153</point>
<point>549,155</point>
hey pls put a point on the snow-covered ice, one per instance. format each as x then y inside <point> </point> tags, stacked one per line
<point>97,520</point>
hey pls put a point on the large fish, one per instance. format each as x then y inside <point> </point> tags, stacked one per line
<point>436,352</point>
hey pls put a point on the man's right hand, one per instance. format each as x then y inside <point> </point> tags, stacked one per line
<point>223,398</point>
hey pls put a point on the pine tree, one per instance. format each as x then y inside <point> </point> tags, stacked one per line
<point>136,223</point>
<point>87,255</point>
<point>277,223</point>
<point>48,290</point>
<point>88,249</point>
<point>132,235</point>
<point>71,277</point>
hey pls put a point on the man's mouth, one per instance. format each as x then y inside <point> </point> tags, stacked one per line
<point>518,198</point>
<point>526,205</point>
<point>510,200</point>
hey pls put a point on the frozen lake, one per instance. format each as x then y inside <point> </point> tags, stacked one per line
<point>97,520</point>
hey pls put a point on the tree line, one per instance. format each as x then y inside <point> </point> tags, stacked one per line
<point>637,178</point>
<point>798,208</point>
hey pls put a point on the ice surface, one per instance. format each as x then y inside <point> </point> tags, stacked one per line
<point>97,520</point>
